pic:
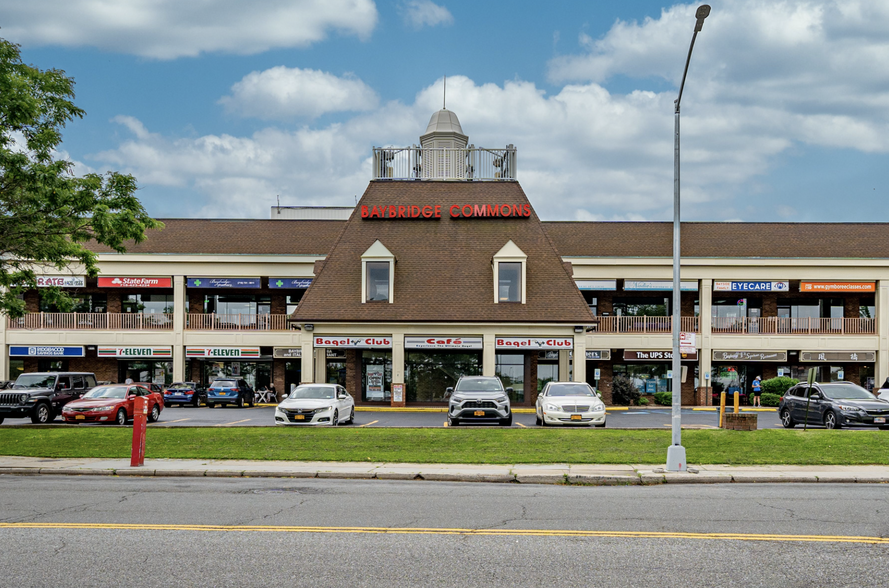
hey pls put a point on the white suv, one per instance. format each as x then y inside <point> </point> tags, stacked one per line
<point>479,398</point>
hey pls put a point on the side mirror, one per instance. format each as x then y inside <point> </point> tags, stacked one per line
<point>341,396</point>
<point>448,392</point>
<point>510,391</point>
<point>815,396</point>
<point>599,394</point>
<point>285,396</point>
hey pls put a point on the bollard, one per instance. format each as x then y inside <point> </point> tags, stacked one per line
<point>140,424</point>
<point>737,402</point>
<point>721,407</point>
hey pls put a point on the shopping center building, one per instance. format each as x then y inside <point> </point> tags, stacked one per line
<point>443,268</point>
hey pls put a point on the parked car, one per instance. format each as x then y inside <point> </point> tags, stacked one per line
<point>479,399</point>
<point>833,405</point>
<point>569,403</point>
<point>184,393</point>
<point>316,404</point>
<point>112,404</point>
<point>230,391</point>
<point>42,395</point>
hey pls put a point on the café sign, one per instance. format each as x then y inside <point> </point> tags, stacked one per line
<point>749,356</point>
<point>656,355</point>
<point>751,286</point>
<point>352,342</point>
<point>534,343</point>
<point>449,342</point>
<point>140,352</point>
<point>61,281</point>
<point>223,352</point>
<point>45,351</point>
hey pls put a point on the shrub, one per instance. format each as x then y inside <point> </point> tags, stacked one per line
<point>778,385</point>
<point>623,391</point>
<point>770,399</point>
<point>664,398</point>
<point>643,401</point>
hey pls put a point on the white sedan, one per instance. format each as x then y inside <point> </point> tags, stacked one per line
<point>316,404</point>
<point>568,403</point>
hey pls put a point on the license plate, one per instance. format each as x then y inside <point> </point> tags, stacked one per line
<point>223,393</point>
<point>880,419</point>
<point>300,417</point>
<point>79,416</point>
<point>479,413</point>
<point>575,417</point>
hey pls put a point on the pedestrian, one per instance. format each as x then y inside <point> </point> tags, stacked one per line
<point>757,391</point>
<point>273,394</point>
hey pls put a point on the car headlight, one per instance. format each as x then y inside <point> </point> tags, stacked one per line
<point>23,398</point>
<point>457,399</point>
<point>102,409</point>
<point>553,407</point>
<point>502,399</point>
<point>849,408</point>
<point>323,409</point>
<point>598,407</point>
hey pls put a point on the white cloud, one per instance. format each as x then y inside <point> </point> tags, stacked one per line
<point>167,29</point>
<point>282,93</point>
<point>425,13</point>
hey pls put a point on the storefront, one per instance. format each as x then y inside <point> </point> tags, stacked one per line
<point>140,364</point>
<point>434,363</point>
<point>287,367</point>
<point>211,363</point>
<point>650,371</point>
<point>360,363</point>
<point>41,358</point>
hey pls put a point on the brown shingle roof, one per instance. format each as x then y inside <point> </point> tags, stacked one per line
<point>192,235</point>
<point>443,270</point>
<point>706,239</point>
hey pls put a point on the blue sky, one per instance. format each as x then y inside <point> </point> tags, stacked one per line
<point>218,106</point>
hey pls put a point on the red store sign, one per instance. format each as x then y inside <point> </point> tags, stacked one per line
<point>534,343</point>
<point>354,342</point>
<point>135,282</point>
<point>455,211</point>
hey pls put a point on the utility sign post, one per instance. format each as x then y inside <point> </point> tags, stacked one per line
<point>810,380</point>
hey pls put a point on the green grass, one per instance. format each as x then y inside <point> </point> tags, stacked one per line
<point>609,446</point>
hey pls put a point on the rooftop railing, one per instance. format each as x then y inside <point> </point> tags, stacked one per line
<point>418,163</point>
<point>235,322</point>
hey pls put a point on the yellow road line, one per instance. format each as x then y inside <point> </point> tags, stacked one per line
<point>366,424</point>
<point>168,422</point>
<point>233,423</point>
<point>457,531</point>
<point>521,425</point>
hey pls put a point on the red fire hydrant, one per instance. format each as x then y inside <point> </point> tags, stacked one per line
<point>140,424</point>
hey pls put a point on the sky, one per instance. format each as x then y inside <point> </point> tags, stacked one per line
<point>220,107</point>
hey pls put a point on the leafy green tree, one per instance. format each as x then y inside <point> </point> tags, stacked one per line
<point>47,214</point>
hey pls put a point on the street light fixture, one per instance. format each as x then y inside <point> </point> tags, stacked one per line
<point>676,452</point>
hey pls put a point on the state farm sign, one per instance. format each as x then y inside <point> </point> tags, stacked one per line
<point>443,342</point>
<point>354,342</point>
<point>534,343</point>
<point>120,282</point>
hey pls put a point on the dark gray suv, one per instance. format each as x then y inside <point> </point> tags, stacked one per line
<point>479,398</point>
<point>42,395</point>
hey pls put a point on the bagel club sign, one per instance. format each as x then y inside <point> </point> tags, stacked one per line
<point>434,211</point>
<point>352,342</point>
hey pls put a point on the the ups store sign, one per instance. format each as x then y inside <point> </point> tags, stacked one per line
<point>656,355</point>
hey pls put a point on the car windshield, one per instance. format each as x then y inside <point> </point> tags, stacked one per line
<point>224,384</point>
<point>314,392</point>
<point>35,381</point>
<point>107,392</point>
<point>847,392</point>
<point>179,386</point>
<point>479,385</point>
<point>569,390</point>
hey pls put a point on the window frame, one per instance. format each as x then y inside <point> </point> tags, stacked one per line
<point>377,253</point>
<point>510,253</point>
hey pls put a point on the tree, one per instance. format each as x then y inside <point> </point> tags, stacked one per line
<point>47,214</point>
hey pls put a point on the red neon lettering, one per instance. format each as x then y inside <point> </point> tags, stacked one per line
<point>364,212</point>
<point>401,212</point>
<point>463,210</point>
<point>493,210</point>
<point>415,211</point>
<point>427,212</point>
<point>527,208</point>
<point>505,210</point>
<point>500,342</point>
<point>438,211</point>
<point>516,210</point>
<point>374,212</point>
<point>479,210</point>
<point>457,213</point>
<point>391,212</point>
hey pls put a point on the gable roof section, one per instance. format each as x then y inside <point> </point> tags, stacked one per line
<point>721,240</point>
<point>228,237</point>
<point>443,270</point>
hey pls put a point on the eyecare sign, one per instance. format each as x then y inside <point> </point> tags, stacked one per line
<point>751,286</point>
<point>434,211</point>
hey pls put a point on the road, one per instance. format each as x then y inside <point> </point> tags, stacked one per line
<point>87,531</point>
<point>657,418</point>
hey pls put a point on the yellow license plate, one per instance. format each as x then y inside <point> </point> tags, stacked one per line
<point>223,393</point>
<point>575,417</point>
<point>479,413</point>
<point>79,416</point>
<point>300,417</point>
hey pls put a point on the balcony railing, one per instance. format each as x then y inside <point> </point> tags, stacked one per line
<point>72,321</point>
<point>418,163</point>
<point>794,326</point>
<point>644,324</point>
<point>235,322</point>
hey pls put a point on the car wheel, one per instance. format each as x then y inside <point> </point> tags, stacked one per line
<point>240,402</point>
<point>154,415</point>
<point>1,420</point>
<point>507,422</point>
<point>452,422</point>
<point>334,421</point>
<point>787,420</point>
<point>121,418</point>
<point>252,400</point>
<point>42,414</point>
<point>196,402</point>
<point>537,420</point>
<point>351,420</point>
<point>831,421</point>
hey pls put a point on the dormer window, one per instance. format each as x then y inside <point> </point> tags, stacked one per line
<point>510,272</point>
<point>377,274</point>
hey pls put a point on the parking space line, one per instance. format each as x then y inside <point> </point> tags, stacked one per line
<point>521,425</point>
<point>234,423</point>
<point>168,422</point>
<point>367,424</point>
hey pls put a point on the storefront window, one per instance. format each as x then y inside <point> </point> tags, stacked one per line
<point>377,280</point>
<point>642,306</point>
<point>253,372</point>
<point>83,303</point>
<point>427,375</point>
<point>16,367</point>
<point>647,377</point>
<point>292,376</point>
<point>293,301</point>
<point>156,372</point>
<point>824,373</point>
<point>813,308</point>
<point>232,304</point>
<point>511,369</point>
<point>867,308</point>
<point>547,368</point>
<point>376,376</point>
<point>591,301</point>
<point>510,281</point>
<point>147,303</point>
<point>52,365</point>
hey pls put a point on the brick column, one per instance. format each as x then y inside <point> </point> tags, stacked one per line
<point>607,373</point>
<point>178,328</point>
<point>353,373</point>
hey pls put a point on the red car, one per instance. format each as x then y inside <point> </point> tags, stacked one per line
<point>112,404</point>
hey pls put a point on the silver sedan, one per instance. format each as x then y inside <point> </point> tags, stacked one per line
<point>316,404</point>
<point>570,403</point>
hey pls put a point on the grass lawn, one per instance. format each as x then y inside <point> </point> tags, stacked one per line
<point>469,445</point>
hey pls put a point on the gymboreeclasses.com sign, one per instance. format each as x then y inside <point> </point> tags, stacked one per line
<point>443,342</point>
<point>751,286</point>
<point>534,343</point>
<point>354,342</point>
<point>45,351</point>
<point>223,352</point>
<point>151,352</point>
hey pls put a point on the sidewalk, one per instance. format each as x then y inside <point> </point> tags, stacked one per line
<point>523,474</point>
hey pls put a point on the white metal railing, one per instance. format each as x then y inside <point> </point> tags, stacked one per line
<point>111,321</point>
<point>418,163</point>
<point>235,322</point>
<point>794,326</point>
<point>644,324</point>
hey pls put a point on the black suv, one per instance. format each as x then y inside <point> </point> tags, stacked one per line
<point>479,398</point>
<point>42,395</point>
<point>834,405</point>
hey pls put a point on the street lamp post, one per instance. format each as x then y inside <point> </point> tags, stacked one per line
<point>676,452</point>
